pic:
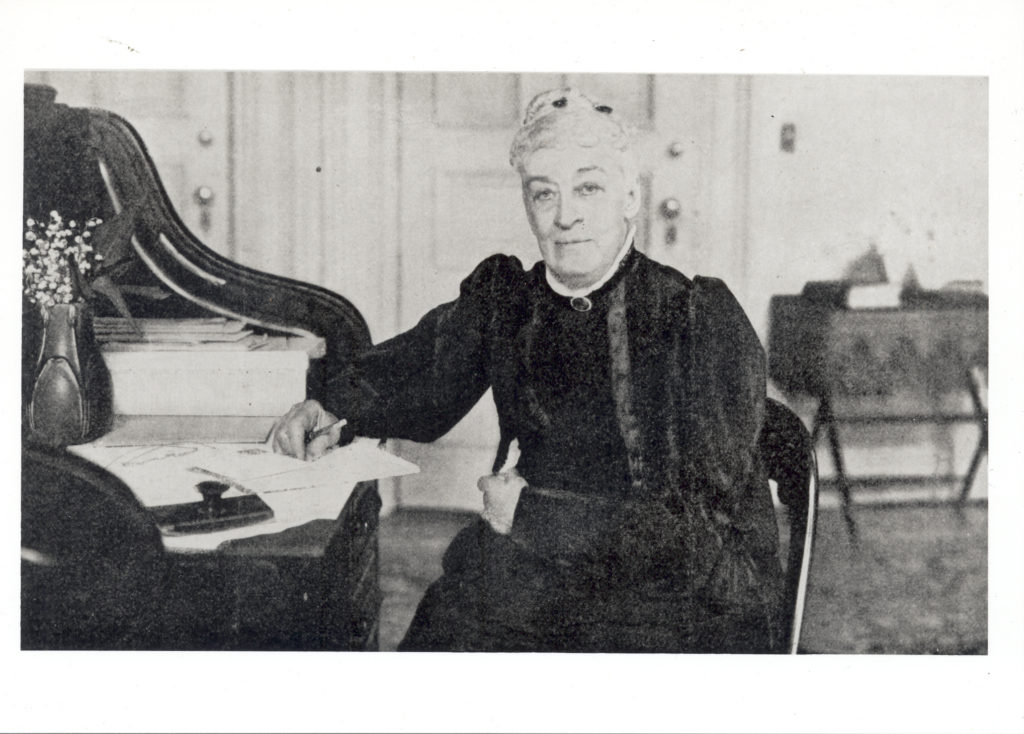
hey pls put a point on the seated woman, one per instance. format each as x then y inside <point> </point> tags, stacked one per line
<point>637,516</point>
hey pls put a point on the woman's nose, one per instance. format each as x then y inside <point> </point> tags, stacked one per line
<point>567,215</point>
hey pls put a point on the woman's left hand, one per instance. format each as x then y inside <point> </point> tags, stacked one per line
<point>501,495</point>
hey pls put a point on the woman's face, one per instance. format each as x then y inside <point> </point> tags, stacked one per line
<point>578,202</point>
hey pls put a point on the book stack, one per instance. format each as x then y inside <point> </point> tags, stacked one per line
<point>201,367</point>
<point>156,335</point>
<point>874,295</point>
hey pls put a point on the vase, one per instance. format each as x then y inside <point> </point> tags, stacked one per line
<point>70,394</point>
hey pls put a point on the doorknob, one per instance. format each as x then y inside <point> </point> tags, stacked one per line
<point>204,197</point>
<point>670,209</point>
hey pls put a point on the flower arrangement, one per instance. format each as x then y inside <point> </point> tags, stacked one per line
<point>57,258</point>
<point>73,262</point>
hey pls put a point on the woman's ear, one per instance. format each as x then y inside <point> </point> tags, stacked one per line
<point>633,198</point>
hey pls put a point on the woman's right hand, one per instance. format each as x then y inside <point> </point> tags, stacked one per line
<point>288,436</point>
<point>501,496</point>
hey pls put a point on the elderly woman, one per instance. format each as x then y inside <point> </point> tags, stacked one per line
<point>637,516</point>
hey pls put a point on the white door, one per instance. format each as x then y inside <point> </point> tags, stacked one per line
<point>183,120</point>
<point>460,202</point>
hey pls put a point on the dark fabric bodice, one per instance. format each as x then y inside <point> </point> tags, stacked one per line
<point>580,447</point>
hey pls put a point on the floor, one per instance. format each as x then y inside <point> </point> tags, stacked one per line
<point>916,582</point>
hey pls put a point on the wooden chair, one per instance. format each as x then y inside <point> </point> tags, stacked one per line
<point>788,453</point>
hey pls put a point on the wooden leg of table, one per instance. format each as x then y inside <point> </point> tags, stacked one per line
<point>826,418</point>
<point>816,423</point>
<point>982,448</point>
<point>979,452</point>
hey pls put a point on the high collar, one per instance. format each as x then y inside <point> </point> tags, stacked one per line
<point>564,290</point>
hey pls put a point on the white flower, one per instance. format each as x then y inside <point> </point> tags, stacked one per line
<point>72,223</point>
<point>30,236</point>
<point>30,222</point>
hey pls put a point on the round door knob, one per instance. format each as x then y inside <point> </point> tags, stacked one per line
<point>204,195</point>
<point>205,137</point>
<point>675,149</point>
<point>670,208</point>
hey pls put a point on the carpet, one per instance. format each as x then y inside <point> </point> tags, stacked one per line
<point>914,583</point>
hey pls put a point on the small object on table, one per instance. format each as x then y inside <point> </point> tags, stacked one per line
<point>213,512</point>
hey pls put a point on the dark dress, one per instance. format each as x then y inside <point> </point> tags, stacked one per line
<point>647,523</point>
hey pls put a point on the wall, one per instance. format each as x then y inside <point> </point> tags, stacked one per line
<point>316,196</point>
<point>898,162</point>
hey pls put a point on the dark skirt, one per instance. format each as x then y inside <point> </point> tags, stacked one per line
<point>499,595</point>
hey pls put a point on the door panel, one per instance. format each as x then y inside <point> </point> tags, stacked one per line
<point>696,154</point>
<point>183,120</point>
<point>460,203</point>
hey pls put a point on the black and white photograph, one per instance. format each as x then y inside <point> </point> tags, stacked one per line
<point>654,372</point>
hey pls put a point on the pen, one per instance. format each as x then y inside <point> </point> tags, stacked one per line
<point>327,429</point>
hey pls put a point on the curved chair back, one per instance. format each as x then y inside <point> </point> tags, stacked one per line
<point>92,559</point>
<point>788,454</point>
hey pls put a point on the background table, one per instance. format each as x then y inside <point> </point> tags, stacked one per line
<point>909,364</point>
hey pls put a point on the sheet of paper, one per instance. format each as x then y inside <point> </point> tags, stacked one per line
<point>360,460</point>
<point>168,474</point>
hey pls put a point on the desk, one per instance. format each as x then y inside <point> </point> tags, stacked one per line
<point>329,593</point>
<point>905,364</point>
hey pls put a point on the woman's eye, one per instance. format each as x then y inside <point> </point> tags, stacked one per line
<point>543,195</point>
<point>588,189</point>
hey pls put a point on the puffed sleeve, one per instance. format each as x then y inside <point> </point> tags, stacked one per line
<point>420,383</point>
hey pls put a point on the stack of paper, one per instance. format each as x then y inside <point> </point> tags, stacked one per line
<point>875,295</point>
<point>205,334</point>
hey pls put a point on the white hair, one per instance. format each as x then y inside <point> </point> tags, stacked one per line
<point>562,117</point>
